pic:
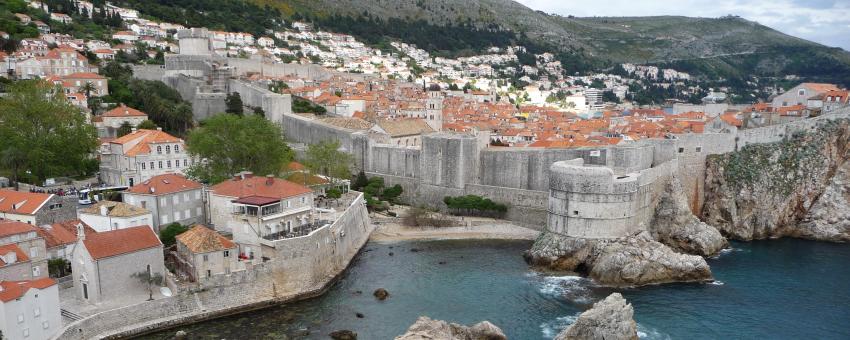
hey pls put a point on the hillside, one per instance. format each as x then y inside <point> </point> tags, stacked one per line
<point>727,47</point>
<point>730,46</point>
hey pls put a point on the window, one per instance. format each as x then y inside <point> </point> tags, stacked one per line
<point>197,194</point>
<point>699,149</point>
<point>20,318</point>
<point>45,325</point>
<point>198,211</point>
<point>26,332</point>
<point>802,92</point>
<point>144,204</point>
<point>681,150</point>
<point>162,202</point>
<point>206,258</point>
<point>143,165</point>
<point>168,149</point>
<point>33,252</point>
<point>152,166</point>
<point>169,164</point>
<point>159,149</point>
<point>176,216</point>
<point>227,253</point>
<point>176,148</point>
<point>36,312</point>
<point>163,219</point>
<point>185,197</point>
<point>185,162</point>
<point>175,199</point>
<point>187,213</point>
<point>36,272</point>
<point>160,164</point>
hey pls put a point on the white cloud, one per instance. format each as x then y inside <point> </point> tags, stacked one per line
<point>823,21</point>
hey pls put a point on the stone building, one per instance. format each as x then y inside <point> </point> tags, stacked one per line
<point>110,266</point>
<point>170,198</point>
<point>35,208</point>
<point>108,123</point>
<point>800,94</point>
<point>404,132</point>
<point>29,309</point>
<point>255,208</point>
<point>203,253</point>
<point>23,254</point>
<point>108,215</point>
<point>140,155</point>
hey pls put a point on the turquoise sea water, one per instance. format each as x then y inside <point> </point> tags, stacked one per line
<point>778,289</point>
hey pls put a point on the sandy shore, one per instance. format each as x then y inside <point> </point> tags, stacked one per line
<point>394,232</point>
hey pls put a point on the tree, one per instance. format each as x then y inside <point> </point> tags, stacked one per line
<point>87,88</point>
<point>43,133</point>
<point>124,129</point>
<point>361,180</point>
<point>334,193</point>
<point>147,125</point>
<point>234,104</point>
<point>169,234</point>
<point>227,144</point>
<point>57,267</point>
<point>146,277</point>
<point>327,159</point>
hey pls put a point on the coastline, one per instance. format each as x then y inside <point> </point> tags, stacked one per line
<point>389,232</point>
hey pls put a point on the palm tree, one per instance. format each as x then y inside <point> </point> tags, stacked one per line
<point>88,88</point>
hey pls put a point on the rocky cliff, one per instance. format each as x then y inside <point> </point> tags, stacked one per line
<point>676,226</point>
<point>610,319</point>
<point>765,190</point>
<point>426,328</point>
<point>628,261</point>
<point>829,217</point>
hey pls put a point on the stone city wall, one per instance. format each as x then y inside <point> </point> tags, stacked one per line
<point>303,267</point>
<point>274,105</point>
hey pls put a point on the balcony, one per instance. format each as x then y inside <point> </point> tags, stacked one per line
<point>303,230</point>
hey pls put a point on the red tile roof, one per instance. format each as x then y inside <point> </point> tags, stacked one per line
<point>121,241</point>
<point>201,239</point>
<point>164,184</point>
<point>15,289</point>
<point>21,202</point>
<point>8,228</point>
<point>13,248</point>
<point>62,233</point>
<point>259,186</point>
<point>147,137</point>
<point>124,111</point>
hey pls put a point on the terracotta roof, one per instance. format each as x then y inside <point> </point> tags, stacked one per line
<point>8,228</point>
<point>164,184</point>
<point>62,233</point>
<point>259,186</point>
<point>347,123</point>
<point>295,166</point>
<point>306,179</point>
<point>145,138</point>
<point>124,111</point>
<point>121,241</point>
<point>22,202</point>
<point>201,239</point>
<point>115,209</point>
<point>20,255</point>
<point>405,127</point>
<point>15,289</point>
<point>84,75</point>
<point>820,87</point>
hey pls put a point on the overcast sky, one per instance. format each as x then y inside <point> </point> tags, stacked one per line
<point>823,21</point>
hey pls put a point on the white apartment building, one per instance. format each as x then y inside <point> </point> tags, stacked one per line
<point>140,155</point>
<point>29,309</point>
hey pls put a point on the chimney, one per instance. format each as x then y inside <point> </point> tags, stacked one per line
<point>103,210</point>
<point>269,180</point>
<point>81,232</point>
<point>158,128</point>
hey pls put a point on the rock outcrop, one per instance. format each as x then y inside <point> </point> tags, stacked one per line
<point>765,190</point>
<point>628,261</point>
<point>829,217</point>
<point>676,226</point>
<point>426,328</point>
<point>610,319</point>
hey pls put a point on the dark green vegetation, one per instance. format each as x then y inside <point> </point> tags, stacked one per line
<point>169,234</point>
<point>228,15</point>
<point>474,205</point>
<point>230,143</point>
<point>163,104</point>
<point>44,135</point>
<point>377,196</point>
<point>301,105</point>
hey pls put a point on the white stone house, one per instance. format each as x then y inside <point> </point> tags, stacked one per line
<point>108,123</point>
<point>256,208</point>
<point>109,267</point>
<point>23,254</point>
<point>108,215</point>
<point>203,253</point>
<point>140,155</point>
<point>170,198</point>
<point>800,94</point>
<point>29,309</point>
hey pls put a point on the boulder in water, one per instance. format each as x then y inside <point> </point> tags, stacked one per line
<point>381,294</point>
<point>612,318</point>
<point>426,328</point>
<point>343,335</point>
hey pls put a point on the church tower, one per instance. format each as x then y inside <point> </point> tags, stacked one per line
<point>434,108</point>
